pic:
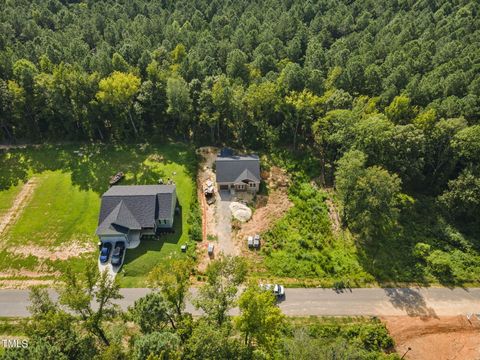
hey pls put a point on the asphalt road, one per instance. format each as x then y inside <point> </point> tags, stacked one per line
<point>321,302</point>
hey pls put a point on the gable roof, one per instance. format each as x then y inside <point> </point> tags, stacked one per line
<point>127,208</point>
<point>234,169</point>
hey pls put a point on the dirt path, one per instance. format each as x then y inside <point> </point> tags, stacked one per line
<point>226,245</point>
<point>205,173</point>
<point>19,204</point>
<point>269,209</point>
<point>436,338</point>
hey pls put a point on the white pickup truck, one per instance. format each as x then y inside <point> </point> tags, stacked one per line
<point>277,290</point>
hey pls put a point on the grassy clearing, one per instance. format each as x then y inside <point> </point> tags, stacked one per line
<point>302,245</point>
<point>426,248</point>
<point>58,213</point>
<point>64,207</point>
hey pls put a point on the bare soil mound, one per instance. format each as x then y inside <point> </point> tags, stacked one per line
<point>436,338</point>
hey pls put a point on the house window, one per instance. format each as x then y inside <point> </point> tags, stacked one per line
<point>251,184</point>
<point>165,221</point>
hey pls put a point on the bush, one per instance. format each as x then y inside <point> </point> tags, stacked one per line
<point>157,343</point>
<point>195,220</point>
<point>439,263</point>
<point>367,339</point>
<point>421,250</point>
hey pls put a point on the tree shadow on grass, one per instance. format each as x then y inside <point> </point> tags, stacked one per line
<point>409,300</point>
<point>391,262</point>
<point>92,165</point>
<point>396,259</point>
<point>12,169</point>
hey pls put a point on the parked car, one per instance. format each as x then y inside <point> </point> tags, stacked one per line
<point>250,241</point>
<point>256,241</point>
<point>105,252</point>
<point>117,254</point>
<point>210,249</point>
<point>276,289</point>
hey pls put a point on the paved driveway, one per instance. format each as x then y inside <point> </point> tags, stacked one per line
<point>112,270</point>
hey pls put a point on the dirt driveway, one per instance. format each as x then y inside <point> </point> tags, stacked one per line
<point>226,244</point>
<point>217,217</point>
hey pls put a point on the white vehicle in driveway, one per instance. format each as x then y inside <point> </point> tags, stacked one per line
<point>256,241</point>
<point>250,241</point>
<point>276,289</point>
<point>210,249</point>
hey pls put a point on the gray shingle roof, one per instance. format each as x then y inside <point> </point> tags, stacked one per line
<point>233,169</point>
<point>132,190</point>
<point>134,207</point>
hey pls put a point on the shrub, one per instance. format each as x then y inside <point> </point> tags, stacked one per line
<point>156,343</point>
<point>195,220</point>
<point>421,250</point>
<point>439,263</point>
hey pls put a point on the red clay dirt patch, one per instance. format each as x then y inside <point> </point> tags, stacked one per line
<point>205,172</point>
<point>277,204</point>
<point>441,338</point>
<point>64,252</point>
<point>269,209</point>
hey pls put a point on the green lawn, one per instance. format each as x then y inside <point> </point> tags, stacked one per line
<point>58,213</point>
<point>57,216</point>
<point>64,207</point>
<point>139,261</point>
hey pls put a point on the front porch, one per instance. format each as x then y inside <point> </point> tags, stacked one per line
<point>245,185</point>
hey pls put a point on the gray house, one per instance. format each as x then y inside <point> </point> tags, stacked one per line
<point>238,172</point>
<point>128,212</point>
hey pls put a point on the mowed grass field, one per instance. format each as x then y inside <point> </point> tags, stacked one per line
<point>57,226</point>
<point>57,213</point>
<point>53,230</point>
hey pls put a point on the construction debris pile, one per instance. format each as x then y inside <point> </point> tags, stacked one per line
<point>209,191</point>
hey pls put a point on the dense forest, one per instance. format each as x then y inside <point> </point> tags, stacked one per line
<point>381,98</point>
<point>257,73</point>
